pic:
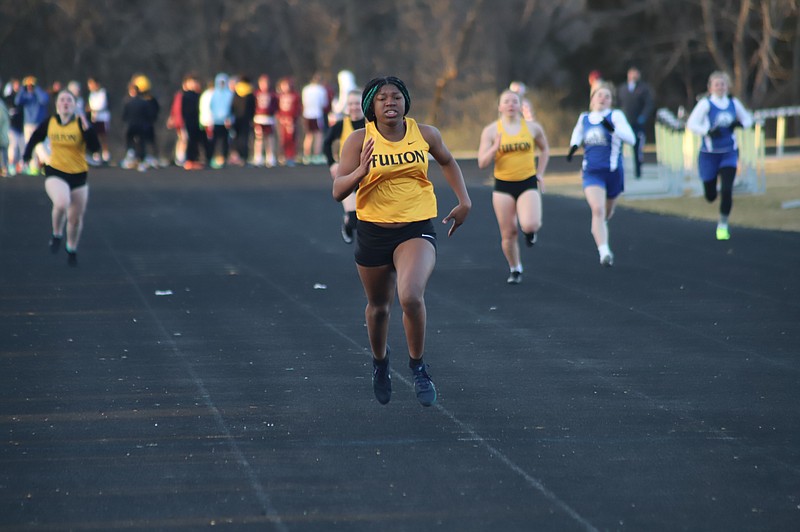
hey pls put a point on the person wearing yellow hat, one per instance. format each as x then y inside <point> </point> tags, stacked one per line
<point>142,83</point>
<point>140,112</point>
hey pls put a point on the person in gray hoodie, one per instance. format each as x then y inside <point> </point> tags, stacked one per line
<point>222,115</point>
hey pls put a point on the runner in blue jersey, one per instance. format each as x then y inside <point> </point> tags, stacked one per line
<point>602,131</point>
<point>714,118</point>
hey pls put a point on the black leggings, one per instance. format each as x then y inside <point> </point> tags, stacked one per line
<point>726,176</point>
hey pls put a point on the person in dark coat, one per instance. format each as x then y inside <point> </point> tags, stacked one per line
<point>636,101</point>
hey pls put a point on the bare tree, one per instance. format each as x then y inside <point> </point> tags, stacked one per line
<point>455,55</point>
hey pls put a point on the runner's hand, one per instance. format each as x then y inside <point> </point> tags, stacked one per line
<point>572,151</point>
<point>458,215</point>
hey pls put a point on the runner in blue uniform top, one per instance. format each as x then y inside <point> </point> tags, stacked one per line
<point>602,131</point>
<point>714,118</point>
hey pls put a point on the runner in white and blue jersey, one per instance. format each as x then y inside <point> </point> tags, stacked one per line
<point>714,118</point>
<point>602,131</point>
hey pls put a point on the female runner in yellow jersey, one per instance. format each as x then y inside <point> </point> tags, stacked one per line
<point>387,162</point>
<point>65,181</point>
<point>510,143</point>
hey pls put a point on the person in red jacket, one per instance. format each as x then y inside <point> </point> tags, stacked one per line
<point>175,122</point>
<point>264,123</point>
<point>289,110</point>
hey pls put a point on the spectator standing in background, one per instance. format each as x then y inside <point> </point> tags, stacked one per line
<point>636,101</point>
<point>99,115</point>
<point>144,86</point>
<point>16,139</point>
<point>315,101</point>
<point>595,80</point>
<point>175,123</point>
<point>5,121</point>
<point>52,93</point>
<point>206,120</point>
<point>75,88</point>
<point>221,106</point>
<point>264,123</point>
<point>32,102</point>
<point>140,114</point>
<point>289,110</point>
<point>244,110</point>
<point>190,114</point>
<point>527,107</point>
<point>346,82</point>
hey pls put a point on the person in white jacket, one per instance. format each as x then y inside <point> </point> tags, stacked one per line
<point>602,131</point>
<point>714,118</point>
<point>99,116</point>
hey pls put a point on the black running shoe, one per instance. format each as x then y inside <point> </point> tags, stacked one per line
<point>382,380</point>
<point>530,239</point>
<point>423,385</point>
<point>72,258</point>
<point>514,277</point>
<point>55,244</point>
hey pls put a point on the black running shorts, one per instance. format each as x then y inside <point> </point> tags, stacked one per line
<point>375,245</point>
<point>516,188</point>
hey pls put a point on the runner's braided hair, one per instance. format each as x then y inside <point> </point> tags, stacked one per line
<point>371,89</point>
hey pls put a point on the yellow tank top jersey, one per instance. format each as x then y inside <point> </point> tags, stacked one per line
<point>347,128</point>
<point>67,146</point>
<point>397,188</point>
<point>514,160</point>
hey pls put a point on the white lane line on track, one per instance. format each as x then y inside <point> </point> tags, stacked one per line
<point>259,490</point>
<point>533,482</point>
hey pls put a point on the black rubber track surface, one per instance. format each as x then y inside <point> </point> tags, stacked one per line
<point>206,364</point>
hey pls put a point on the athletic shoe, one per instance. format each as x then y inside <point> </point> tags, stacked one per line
<point>423,385</point>
<point>347,234</point>
<point>382,380</point>
<point>129,162</point>
<point>607,259</point>
<point>72,258</point>
<point>514,277</point>
<point>530,239</point>
<point>55,244</point>
<point>723,233</point>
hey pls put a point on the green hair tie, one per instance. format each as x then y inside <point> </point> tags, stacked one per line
<point>366,103</point>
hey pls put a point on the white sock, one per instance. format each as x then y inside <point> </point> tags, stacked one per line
<point>604,250</point>
<point>517,268</point>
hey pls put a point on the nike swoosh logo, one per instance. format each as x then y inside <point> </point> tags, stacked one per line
<point>411,142</point>
<point>423,235</point>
